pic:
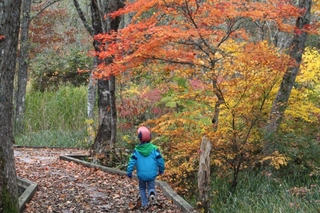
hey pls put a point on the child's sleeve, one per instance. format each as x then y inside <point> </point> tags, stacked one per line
<point>132,162</point>
<point>160,162</point>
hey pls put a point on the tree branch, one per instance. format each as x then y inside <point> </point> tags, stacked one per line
<point>46,5</point>
<point>82,17</point>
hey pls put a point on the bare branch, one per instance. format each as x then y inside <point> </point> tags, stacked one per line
<point>82,17</point>
<point>46,5</point>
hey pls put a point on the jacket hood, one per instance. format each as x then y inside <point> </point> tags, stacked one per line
<point>145,148</point>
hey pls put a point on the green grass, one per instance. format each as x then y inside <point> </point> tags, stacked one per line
<point>64,109</point>
<point>53,138</point>
<point>266,194</point>
<point>55,119</point>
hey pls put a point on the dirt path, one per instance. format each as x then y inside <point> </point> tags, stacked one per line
<point>67,187</point>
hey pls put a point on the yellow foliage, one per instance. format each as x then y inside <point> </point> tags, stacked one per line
<point>246,79</point>
<point>315,7</point>
<point>132,91</point>
<point>217,162</point>
<point>91,130</point>
<point>277,160</point>
<point>127,139</point>
<point>303,99</point>
<point>89,121</point>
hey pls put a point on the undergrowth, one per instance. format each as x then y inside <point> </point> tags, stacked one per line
<point>58,119</point>
<point>265,193</point>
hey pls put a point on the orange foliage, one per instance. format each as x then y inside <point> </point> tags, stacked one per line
<point>176,31</point>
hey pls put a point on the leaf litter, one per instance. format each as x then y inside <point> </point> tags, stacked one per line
<point>68,187</point>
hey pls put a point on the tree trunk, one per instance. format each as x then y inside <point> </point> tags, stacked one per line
<point>9,28</point>
<point>101,143</point>
<point>107,130</point>
<point>106,135</point>
<point>280,103</point>
<point>204,174</point>
<point>103,136</point>
<point>21,90</point>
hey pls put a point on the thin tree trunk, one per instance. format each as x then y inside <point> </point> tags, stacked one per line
<point>217,92</point>
<point>92,89</point>
<point>22,75</point>
<point>112,89</point>
<point>91,100</point>
<point>20,96</point>
<point>9,34</point>
<point>92,85</point>
<point>280,103</point>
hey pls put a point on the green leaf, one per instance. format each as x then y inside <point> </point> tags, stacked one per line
<point>171,104</point>
<point>182,82</point>
<point>166,99</point>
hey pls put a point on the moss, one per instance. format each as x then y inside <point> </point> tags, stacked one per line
<point>9,205</point>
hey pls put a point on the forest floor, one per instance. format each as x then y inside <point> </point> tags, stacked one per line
<point>67,187</point>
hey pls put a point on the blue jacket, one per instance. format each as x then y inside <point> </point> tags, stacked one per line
<point>146,158</point>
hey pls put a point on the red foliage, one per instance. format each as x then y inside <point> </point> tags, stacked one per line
<point>197,84</point>
<point>139,106</point>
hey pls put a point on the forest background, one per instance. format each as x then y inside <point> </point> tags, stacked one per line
<point>176,94</point>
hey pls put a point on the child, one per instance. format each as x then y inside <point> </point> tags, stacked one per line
<point>149,163</point>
